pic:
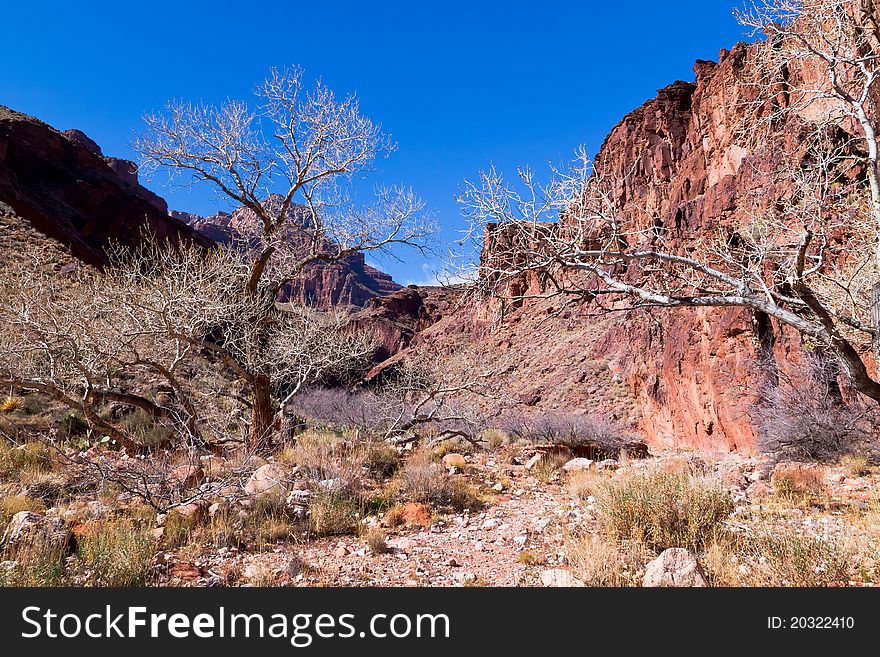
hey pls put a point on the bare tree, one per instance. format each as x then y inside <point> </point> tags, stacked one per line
<point>169,331</point>
<point>415,402</point>
<point>289,159</point>
<point>806,258</point>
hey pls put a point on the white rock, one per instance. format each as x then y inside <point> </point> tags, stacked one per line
<point>557,577</point>
<point>579,464</point>
<point>268,481</point>
<point>489,524</point>
<point>674,567</point>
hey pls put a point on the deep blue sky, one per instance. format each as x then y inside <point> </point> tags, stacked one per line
<point>458,84</point>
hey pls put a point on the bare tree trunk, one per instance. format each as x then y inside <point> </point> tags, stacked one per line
<point>263,416</point>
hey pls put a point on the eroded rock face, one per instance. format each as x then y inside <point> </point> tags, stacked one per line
<point>64,187</point>
<point>685,378</point>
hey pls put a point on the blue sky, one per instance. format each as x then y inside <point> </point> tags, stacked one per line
<point>458,84</point>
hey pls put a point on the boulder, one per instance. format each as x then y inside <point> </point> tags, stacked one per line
<point>268,482</point>
<point>27,527</point>
<point>675,567</point>
<point>577,465</point>
<point>454,461</point>
<point>557,577</point>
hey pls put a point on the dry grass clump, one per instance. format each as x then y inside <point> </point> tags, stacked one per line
<point>422,480</point>
<point>332,514</point>
<point>662,509</point>
<point>583,484</point>
<point>375,538</point>
<point>118,552</point>
<point>13,504</point>
<point>18,460</point>
<point>855,465</point>
<point>601,561</point>
<point>549,467</point>
<point>778,557</point>
<point>802,485</point>
<point>381,459</point>
<point>326,456</point>
<point>37,562</point>
<point>494,439</point>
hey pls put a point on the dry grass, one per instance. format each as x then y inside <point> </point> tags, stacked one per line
<point>422,480</point>
<point>601,561</point>
<point>778,557</point>
<point>583,484</point>
<point>375,538</point>
<point>803,486</point>
<point>323,456</point>
<point>549,467</point>
<point>333,514</point>
<point>18,460</point>
<point>855,465</point>
<point>117,552</point>
<point>37,562</point>
<point>662,509</point>
<point>9,506</point>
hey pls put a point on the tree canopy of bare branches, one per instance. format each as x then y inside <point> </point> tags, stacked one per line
<point>169,331</point>
<point>290,157</point>
<point>815,74</point>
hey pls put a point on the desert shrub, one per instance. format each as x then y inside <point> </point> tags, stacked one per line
<point>117,552</point>
<point>802,485</point>
<point>550,466</point>
<point>381,459</point>
<point>37,562</point>
<point>804,416</point>
<point>568,430</point>
<point>324,456</point>
<point>9,506</point>
<point>143,429</point>
<point>529,558</point>
<point>855,465</point>
<point>179,530</point>
<point>585,483</point>
<point>70,424</point>
<point>375,539</point>
<point>422,480</point>
<point>788,558</point>
<point>600,561</point>
<point>339,407</point>
<point>10,404</point>
<point>34,403</point>
<point>332,514</point>
<point>494,438</point>
<point>663,510</point>
<point>27,458</point>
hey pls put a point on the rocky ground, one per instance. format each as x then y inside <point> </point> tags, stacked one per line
<point>519,538</point>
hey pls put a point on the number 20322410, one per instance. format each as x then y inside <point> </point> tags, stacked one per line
<point>811,623</point>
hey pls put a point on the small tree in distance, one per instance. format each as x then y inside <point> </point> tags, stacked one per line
<point>289,158</point>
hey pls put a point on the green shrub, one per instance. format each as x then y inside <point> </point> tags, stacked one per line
<point>116,553</point>
<point>332,514</point>
<point>424,481</point>
<point>663,510</point>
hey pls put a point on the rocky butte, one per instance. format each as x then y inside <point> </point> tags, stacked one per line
<point>686,378</point>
